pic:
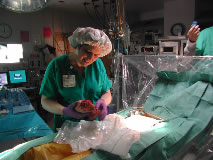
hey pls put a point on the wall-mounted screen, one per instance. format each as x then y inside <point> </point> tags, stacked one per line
<point>17,76</point>
<point>3,79</point>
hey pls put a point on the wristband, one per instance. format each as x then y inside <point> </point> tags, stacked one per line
<point>192,41</point>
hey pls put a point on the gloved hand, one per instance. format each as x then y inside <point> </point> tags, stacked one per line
<point>101,105</point>
<point>70,111</point>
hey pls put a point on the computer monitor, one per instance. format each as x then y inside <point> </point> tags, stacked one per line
<point>17,76</point>
<point>3,78</point>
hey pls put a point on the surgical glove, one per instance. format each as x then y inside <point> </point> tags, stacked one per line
<point>70,111</point>
<point>102,107</point>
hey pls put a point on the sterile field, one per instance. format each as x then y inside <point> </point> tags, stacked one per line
<point>164,111</point>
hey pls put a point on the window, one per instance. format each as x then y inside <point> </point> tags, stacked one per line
<point>11,53</point>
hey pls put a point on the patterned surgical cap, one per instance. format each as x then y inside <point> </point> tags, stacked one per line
<point>93,37</point>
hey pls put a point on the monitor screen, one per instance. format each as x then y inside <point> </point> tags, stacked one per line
<point>17,76</point>
<point>3,79</point>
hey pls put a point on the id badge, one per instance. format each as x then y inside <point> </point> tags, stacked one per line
<point>69,81</point>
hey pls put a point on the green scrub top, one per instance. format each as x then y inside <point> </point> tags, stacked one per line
<point>204,43</point>
<point>62,82</point>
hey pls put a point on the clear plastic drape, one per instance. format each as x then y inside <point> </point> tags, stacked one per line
<point>135,77</point>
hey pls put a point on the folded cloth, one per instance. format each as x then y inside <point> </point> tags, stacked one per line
<point>53,151</point>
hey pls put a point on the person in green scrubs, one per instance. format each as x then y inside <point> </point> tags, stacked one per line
<point>199,43</point>
<point>76,76</point>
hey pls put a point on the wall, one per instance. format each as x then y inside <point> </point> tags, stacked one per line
<point>178,11</point>
<point>171,11</point>
<point>203,13</point>
<point>152,15</point>
<point>58,20</point>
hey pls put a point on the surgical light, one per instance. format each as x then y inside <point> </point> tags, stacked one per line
<point>23,5</point>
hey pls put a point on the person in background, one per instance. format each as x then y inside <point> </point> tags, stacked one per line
<point>199,43</point>
<point>76,76</point>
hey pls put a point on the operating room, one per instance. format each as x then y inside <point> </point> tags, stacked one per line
<point>106,79</point>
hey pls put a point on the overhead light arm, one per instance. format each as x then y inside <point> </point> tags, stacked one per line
<point>96,12</point>
<point>87,11</point>
<point>104,10</point>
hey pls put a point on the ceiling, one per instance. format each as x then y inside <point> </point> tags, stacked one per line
<point>72,5</point>
<point>132,6</point>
